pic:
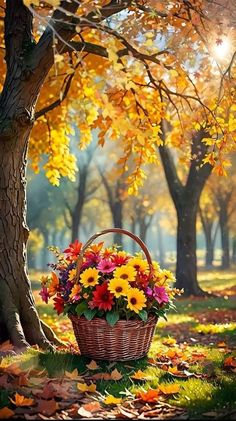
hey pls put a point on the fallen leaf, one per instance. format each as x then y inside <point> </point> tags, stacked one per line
<point>230,362</point>
<point>116,375</point>
<point>6,413</point>
<point>101,376</point>
<point>169,389</point>
<point>112,400</point>
<point>83,387</point>
<point>6,346</point>
<point>21,400</point>
<point>92,406</point>
<point>169,341</point>
<point>149,396</point>
<point>139,375</point>
<point>92,366</point>
<point>222,345</point>
<point>84,413</point>
<point>47,407</point>
<point>74,375</point>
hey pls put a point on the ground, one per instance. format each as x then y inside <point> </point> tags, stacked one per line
<point>190,372</point>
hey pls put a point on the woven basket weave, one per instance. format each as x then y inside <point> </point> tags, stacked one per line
<point>128,339</point>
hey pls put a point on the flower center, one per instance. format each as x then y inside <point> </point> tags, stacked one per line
<point>137,267</point>
<point>105,296</point>
<point>90,279</point>
<point>118,289</point>
<point>124,276</point>
<point>133,301</point>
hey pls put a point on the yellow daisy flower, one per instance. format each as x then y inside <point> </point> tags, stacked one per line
<point>156,267</point>
<point>163,277</point>
<point>118,287</point>
<point>125,272</point>
<point>89,277</point>
<point>72,274</point>
<point>136,299</point>
<point>138,264</point>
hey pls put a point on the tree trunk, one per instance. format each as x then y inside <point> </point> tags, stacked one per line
<point>18,315</point>
<point>209,256</point>
<point>143,227</point>
<point>161,251</point>
<point>186,266</point>
<point>233,257</point>
<point>117,217</point>
<point>76,219</point>
<point>224,230</point>
<point>17,305</point>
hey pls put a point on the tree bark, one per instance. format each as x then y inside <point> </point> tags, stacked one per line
<point>224,230</point>
<point>186,199</point>
<point>18,315</point>
<point>160,245</point>
<point>186,265</point>
<point>117,210</point>
<point>233,257</point>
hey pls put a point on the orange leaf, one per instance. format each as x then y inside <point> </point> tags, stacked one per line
<point>149,396</point>
<point>6,413</point>
<point>169,389</point>
<point>21,400</point>
<point>116,375</point>
<point>6,346</point>
<point>222,345</point>
<point>92,366</point>
<point>230,362</point>
<point>139,375</point>
<point>92,406</point>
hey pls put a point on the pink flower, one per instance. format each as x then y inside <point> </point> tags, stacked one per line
<point>106,266</point>
<point>160,295</point>
<point>44,294</point>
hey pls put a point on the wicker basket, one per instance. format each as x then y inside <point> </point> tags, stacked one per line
<point>128,339</point>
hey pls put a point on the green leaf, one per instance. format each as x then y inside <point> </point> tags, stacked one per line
<point>66,309</point>
<point>81,307</point>
<point>143,315</point>
<point>89,314</point>
<point>112,317</point>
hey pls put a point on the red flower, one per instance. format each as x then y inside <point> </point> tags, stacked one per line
<point>102,298</point>
<point>119,260</point>
<point>74,249</point>
<point>58,304</point>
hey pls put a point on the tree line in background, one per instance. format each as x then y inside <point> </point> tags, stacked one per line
<point>98,199</point>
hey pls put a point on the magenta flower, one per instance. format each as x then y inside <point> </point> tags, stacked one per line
<point>160,295</point>
<point>106,266</point>
<point>44,294</point>
<point>149,292</point>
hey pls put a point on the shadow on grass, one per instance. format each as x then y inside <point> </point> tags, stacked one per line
<point>56,364</point>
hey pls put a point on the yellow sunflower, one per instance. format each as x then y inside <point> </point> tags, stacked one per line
<point>125,272</point>
<point>163,277</point>
<point>136,299</point>
<point>89,277</point>
<point>138,264</point>
<point>118,287</point>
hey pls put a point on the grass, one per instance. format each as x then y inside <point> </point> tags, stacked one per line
<point>215,393</point>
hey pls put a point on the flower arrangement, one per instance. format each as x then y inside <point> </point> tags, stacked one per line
<point>112,284</point>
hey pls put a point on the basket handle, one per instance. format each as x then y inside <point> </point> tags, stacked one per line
<point>107,231</point>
